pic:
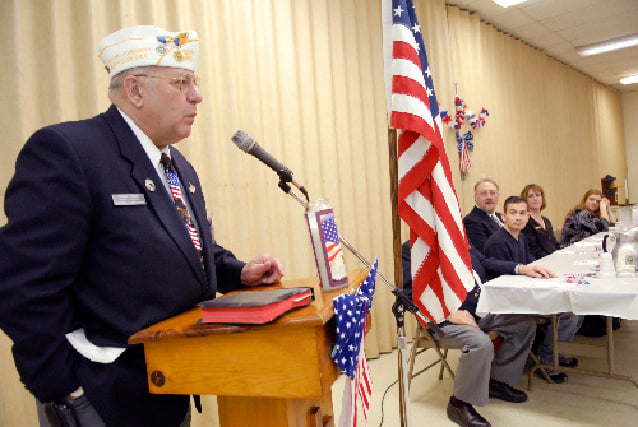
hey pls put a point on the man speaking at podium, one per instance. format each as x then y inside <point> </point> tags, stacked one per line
<point>107,234</point>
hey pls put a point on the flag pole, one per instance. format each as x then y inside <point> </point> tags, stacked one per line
<point>397,308</point>
<point>394,197</point>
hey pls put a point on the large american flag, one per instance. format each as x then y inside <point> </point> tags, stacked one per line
<point>441,268</point>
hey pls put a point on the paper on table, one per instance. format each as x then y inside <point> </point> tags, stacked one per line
<point>587,262</point>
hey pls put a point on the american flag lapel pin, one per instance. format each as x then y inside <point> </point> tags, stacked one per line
<point>191,188</point>
<point>149,184</point>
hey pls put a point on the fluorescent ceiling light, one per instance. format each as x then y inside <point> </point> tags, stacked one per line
<point>609,45</point>
<point>629,80</point>
<point>506,3</point>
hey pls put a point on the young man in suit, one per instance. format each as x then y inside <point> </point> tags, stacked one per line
<point>482,374</point>
<point>483,221</point>
<point>107,234</point>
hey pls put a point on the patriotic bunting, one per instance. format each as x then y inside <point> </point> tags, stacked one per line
<point>351,310</point>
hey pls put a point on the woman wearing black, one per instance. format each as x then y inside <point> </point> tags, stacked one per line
<point>539,230</point>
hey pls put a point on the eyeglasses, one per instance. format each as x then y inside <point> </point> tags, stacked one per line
<point>184,83</point>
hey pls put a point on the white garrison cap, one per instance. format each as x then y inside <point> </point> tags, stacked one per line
<point>144,45</point>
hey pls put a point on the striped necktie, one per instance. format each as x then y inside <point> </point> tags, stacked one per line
<point>182,209</point>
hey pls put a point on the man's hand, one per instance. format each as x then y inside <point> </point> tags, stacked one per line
<point>536,271</point>
<point>263,270</point>
<point>462,317</point>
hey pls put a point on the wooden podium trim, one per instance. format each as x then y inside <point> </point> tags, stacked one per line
<point>186,325</point>
<point>288,358</point>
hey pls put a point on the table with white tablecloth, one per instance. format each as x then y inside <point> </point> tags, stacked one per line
<point>525,295</point>
<point>577,289</point>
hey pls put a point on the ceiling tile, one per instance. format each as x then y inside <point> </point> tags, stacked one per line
<point>585,16</point>
<point>544,9</point>
<point>511,20</point>
<point>602,29</point>
<point>557,26</point>
<point>553,42</point>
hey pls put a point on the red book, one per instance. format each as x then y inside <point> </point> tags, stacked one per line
<point>255,307</point>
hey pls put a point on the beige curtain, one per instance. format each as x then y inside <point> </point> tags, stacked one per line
<point>548,124</point>
<point>305,78</point>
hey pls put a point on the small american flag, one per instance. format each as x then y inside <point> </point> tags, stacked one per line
<point>351,310</point>
<point>328,228</point>
<point>441,269</point>
<point>174,183</point>
<point>337,272</point>
<point>364,383</point>
<point>466,162</point>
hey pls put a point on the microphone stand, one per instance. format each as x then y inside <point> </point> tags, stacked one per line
<point>402,304</point>
<point>285,176</point>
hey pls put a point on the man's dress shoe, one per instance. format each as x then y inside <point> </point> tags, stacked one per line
<point>503,391</point>
<point>465,415</point>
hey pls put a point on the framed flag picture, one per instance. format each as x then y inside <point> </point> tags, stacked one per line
<point>326,245</point>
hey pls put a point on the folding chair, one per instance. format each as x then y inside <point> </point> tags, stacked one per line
<point>423,340</point>
<point>536,364</point>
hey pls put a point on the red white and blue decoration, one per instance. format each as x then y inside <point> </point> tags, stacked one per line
<point>461,109</point>
<point>351,310</point>
<point>465,142</point>
<point>483,117</point>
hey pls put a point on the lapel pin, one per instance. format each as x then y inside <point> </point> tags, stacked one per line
<point>191,188</point>
<point>149,184</point>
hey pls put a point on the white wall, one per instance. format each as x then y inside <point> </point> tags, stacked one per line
<point>630,114</point>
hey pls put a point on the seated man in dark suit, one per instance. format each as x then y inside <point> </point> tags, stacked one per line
<point>483,221</point>
<point>510,244</point>
<point>480,373</point>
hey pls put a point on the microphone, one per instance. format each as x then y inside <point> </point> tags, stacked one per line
<point>247,144</point>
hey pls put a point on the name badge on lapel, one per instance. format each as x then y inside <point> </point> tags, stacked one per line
<point>128,199</point>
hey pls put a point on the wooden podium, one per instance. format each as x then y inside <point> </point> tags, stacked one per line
<point>278,374</point>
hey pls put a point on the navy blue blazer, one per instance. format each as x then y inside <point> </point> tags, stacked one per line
<point>73,256</point>
<point>479,227</point>
<point>503,246</point>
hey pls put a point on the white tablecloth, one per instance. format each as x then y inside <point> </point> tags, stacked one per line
<point>524,295</point>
